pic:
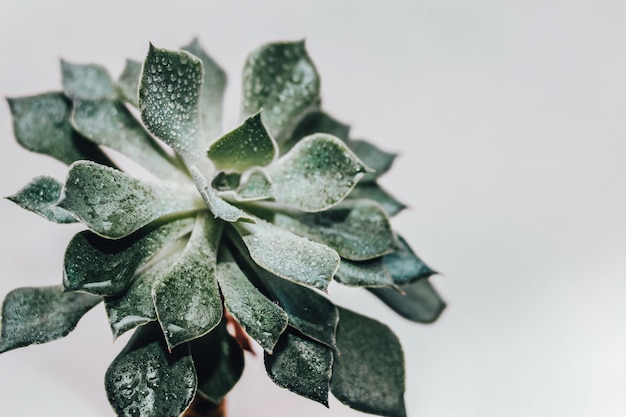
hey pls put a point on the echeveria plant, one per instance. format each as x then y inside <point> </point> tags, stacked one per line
<point>226,238</point>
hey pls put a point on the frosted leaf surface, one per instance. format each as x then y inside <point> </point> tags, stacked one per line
<point>114,204</point>
<point>145,380</point>
<point>255,185</point>
<point>128,82</point>
<point>301,366</point>
<point>246,146</point>
<point>106,267</point>
<point>417,301</point>
<point>219,363</point>
<point>40,315</point>
<point>109,123</point>
<point>404,266</point>
<point>41,124</point>
<point>186,296</point>
<point>263,320</point>
<point>289,256</point>
<point>368,370</point>
<point>211,94</point>
<point>370,273</point>
<point>357,230</point>
<point>169,96</point>
<point>280,79</point>
<point>374,192</point>
<point>316,174</point>
<point>87,81</point>
<point>40,196</point>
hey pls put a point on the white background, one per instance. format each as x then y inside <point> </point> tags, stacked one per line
<point>510,118</point>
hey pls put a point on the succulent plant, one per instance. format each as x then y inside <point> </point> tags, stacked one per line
<point>224,238</point>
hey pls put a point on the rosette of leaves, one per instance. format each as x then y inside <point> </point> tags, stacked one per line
<point>243,230</point>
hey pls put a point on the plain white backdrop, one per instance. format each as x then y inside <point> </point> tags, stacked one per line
<point>510,121</point>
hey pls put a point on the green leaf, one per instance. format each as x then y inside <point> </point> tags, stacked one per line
<point>226,181</point>
<point>41,124</point>
<point>106,267</point>
<point>187,297</point>
<point>417,301</point>
<point>280,79</point>
<point>255,185</point>
<point>289,256</point>
<point>373,191</point>
<point>320,122</point>
<point>219,363</point>
<point>212,92</point>
<point>109,123</point>
<point>379,161</point>
<point>40,196</point>
<point>263,320</point>
<point>357,230</point>
<point>87,82</point>
<point>114,204</point>
<point>315,174</point>
<point>148,381</point>
<point>169,96</point>
<point>249,145</point>
<point>405,267</point>
<point>370,273</point>
<point>40,315</point>
<point>368,371</point>
<point>128,83</point>
<point>302,366</point>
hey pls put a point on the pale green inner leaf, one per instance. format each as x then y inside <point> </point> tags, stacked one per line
<point>128,83</point>
<point>87,81</point>
<point>417,301</point>
<point>370,273</point>
<point>255,185</point>
<point>41,196</point>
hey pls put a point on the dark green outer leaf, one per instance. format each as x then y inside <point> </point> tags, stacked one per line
<point>370,273</point>
<point>128,83</point>
<point>373,191</point>
<point>41,124</point>
<point>302,366</point>
<point>417,301</point>
<point>87,82</point>
<point>379,161</point>
<point>404,266</point>
<point>40,196</point>
<point>148,381</point>
<point>368,371</point>
<point>319,122</point>
<point>40,315</point>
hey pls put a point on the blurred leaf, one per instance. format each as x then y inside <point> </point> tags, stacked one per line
<point>317,173</point>
<point>370,273</point>
<point>280,79</point>
<point>368,371</point>
<point>106,267</point>
<point>374,192</point>
<point>404,266</point>
<point>379,161</point>
<point>40,315</point>
<point>358,230</point>
<point>247,146</point>
<point>40,196</point>
<point>128,83</point>
<point>187,297</point>
<point>148,381</point>
<point>87,82</point>
<point>169,96</point>
<point>114,204</point>
<point>225,181</point>
<point>320,122</point>
<point>255,185</point>
<point>302,366</point>
<point>41,124</point>
<point>417,301</point>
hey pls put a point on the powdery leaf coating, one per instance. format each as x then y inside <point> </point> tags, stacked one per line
<point>317,173</point>
<point>357,230</point>
<point>169,96</point>
<point>263,320</point>
<point>109,123</point>
<point>249,145</point>
<point>146,380</point>
<point>280,79</point>
<point>128,83</point>
<point>87,81</point>
<point>289,256</point>
<point>41,124</point>
<point>187,297</point>
<point>106,267</point>
<point>219,363</point>
<point>404,266</point>
<point>40,196</point>
<point>368,370</point>
<point>370,273</point>
<point>40,315</point>
<point>255,185</point>
<point>373,191</point>
<point>114,204</point>
<point>302,366</point>
<point>211,94</point>
<point>417,301</point>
